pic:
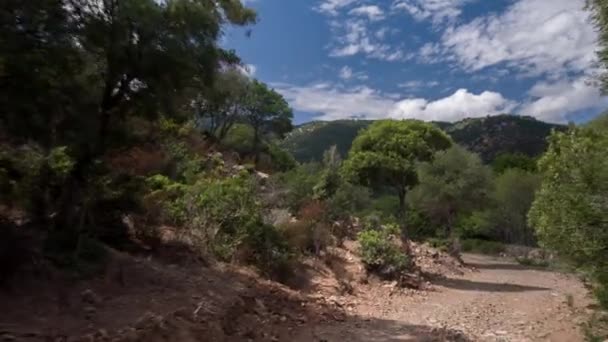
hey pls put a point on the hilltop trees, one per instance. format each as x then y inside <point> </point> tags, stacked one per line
<point>385,155</point>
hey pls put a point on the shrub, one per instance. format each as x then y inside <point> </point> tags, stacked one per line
<point>299,185</point>
<point>280,159</point>
<point>474,226</point>
<point>482,246</point>
<point>382,255</point>
<point>307,236</point>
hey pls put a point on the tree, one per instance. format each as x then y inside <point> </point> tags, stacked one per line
<point>386,154</point>
<point>508,161</point>
<point>268,114</point>
<point>454,183</point>
<point>570,212</point>
<point>74,72</point>
<point>513,198</point>
<point>223,105</point>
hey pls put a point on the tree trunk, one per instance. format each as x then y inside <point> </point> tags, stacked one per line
<point>256,145</point>
<point>402,216</point>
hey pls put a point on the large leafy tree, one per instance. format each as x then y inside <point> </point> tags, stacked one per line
<point>385,155</point>
<point>454,183</point>
<point>223,104</point>
<point>73,72</point>
<point>570,212</point>
<point>267,113</point>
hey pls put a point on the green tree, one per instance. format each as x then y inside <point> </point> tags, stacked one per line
<point>454,183</point>
<point>513,198</point>
<point>570,212</point>
<point>508,161</point>
<point>386,154</point>
<point>267,113</point>
<point>222,105</point>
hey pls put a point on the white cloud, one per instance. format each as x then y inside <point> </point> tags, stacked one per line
<point>353,37</point>
<point>333,102</point>
<point>552,101</point>
<point>332,7</point>
<point>373,12</point>
<point>436,10</point>
<point>347,73</point>
<point>462,104</point>
<point>533,36</point>
<point>413,85</point>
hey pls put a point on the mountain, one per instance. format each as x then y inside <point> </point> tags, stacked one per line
<point>488,136</point>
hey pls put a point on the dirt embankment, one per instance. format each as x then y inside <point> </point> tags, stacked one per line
<point>330,299</point>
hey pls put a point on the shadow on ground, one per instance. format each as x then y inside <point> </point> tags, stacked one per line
<point>378,330</point>
<point>503,266</point>
<point>469,285</point>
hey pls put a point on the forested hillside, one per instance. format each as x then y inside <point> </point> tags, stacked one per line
<point>488,137</point>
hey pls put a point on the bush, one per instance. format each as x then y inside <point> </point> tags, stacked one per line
<point>307,236</point>
<point>477,225</point>
<point>299,185</point>
<point>382,255</point>
<point>482,246</point>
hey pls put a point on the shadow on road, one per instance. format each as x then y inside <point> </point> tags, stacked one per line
<point>470,285</point>
<point>379,330</point>
<point>502,266</point>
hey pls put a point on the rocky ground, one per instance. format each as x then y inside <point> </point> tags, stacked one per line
<point>330,299</point>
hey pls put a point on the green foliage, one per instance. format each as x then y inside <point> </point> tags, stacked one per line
<point>482,246</point>
<point>299,185</point>
<point>239,138</point>
<point>381,253</point>
<point>508,161</point>
<point>280,159</point>
<point>347,200</point>
<point>386,153</point>
<point>513,197</point>
<point>475,225</point>
<point>570,211</point>
<point>454,183</point>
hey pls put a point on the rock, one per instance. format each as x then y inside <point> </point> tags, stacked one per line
<point>90,297</point>
<point>501,333</point>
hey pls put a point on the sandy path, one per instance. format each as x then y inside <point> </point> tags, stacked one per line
<point>500,301</point>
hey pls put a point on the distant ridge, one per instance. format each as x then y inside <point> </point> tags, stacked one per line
<point>488,136</point>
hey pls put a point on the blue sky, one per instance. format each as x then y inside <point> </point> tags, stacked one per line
<point>425,59</point>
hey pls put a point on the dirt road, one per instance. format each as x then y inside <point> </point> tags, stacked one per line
<point>497,301</point>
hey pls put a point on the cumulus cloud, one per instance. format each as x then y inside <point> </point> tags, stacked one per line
<point>372,12</point>
<point>462,104</point>
<point>533,36</point>
<point>332,102</point>
<point>553,101</point>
